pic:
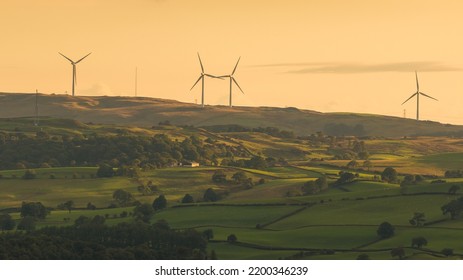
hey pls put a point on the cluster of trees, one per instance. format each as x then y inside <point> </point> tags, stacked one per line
<point>256,162</point>
<point>453,174</point>
<point>454,208</point>
<point>272,131</point>
<point>238,178</point>
<point>116,151</point>
<point>354,150</point>
<point>345,177</point>
<point>411,179</point>
<point>92,239</point>
<point>315,186</point>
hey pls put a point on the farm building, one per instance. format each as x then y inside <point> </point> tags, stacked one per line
<point>190,164</point>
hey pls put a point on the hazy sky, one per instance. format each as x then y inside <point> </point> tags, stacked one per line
<point>324,55</point>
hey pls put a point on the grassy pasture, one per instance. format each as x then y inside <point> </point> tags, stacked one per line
<point>396,210</point>
<point>321,237</point>
<point>223,216</point>
<point>438,238</point>
<point>57,217</point>
<point>445,161</point>
<point>52,192</point>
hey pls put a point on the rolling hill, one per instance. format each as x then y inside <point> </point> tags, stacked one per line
<point>145,111</point>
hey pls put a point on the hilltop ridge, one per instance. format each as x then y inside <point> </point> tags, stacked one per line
<point>148,111</point>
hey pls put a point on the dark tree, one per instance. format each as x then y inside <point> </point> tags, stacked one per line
<point>219,176</point>
<point>363,257</point>
<point>418,219</point>
<point>144,212</point>
<point>398,252</point>
<point>90,206</point>
<point>345,177</point>
<point>6,222</point>
<point>239,177</point>
<point>454,189</point>
<point>419,242</point>
<point>105,170</point>
<point>122,197</point>
<point>385,230</point>
<point>69,205</point>
<point>27,223</point>
<point>408,180</point>
<point>208,234</point>
<point>389,175</point>
<point>160,203</point>
<point>81,221</point>
<point>232,238</point>
<point>210,195</point>
<point>188,199</point>
<point>447,252</point>
<point>34,209</point>
<point>453,208</point>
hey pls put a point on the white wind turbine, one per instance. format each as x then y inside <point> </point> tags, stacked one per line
<point>74,75</point>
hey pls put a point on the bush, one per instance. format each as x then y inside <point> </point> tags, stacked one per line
<point>219,176</point>
<point>447,252</point>
<point>210,195</point>
<point>389,175</point>
<point>27,223</point>
<point>188,199</point>
<point>105,170</point>
<point>160,203</point>
<point>385,230</point>
<point>29,174</point>
<point>232,238</point>
<point>6,222</point>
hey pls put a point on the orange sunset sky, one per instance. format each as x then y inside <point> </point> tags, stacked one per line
<point>324,55</point>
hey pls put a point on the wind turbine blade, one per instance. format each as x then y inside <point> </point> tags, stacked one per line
<point>200,77</point>
<point>201,63</point>
<point>82,58</point>
<point>413,95</point>
<point>225,76</point>
<point>66,57</point>
<point>417,84</point>
<point>75,76</point>
<point>236,83</point>
<point>234,69</point>
<point>428,96</point>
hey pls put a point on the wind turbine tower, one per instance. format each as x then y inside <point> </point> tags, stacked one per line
<point>36,120</point>
<point>232,80</point>
<point>418,93</point>
<point>201,77</point>
<point>74,77</point>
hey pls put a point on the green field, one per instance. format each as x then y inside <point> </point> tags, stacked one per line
<point>272,217</point>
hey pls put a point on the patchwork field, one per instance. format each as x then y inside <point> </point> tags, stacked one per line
<point>269,208</point>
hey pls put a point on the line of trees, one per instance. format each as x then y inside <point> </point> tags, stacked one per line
<point>92,239</point>
<point>157,151</point>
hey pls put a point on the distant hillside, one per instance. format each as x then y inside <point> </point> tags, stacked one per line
<point>144,111</point>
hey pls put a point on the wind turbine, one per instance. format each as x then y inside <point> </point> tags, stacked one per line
<point>74,77</point>
<point>418,93</point>
<point>201,77</point>
<point>232,80</point>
